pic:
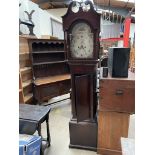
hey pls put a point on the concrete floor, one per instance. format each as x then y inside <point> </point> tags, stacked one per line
<point>59,129</point>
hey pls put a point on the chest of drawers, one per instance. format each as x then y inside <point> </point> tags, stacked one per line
<point>116,103</point>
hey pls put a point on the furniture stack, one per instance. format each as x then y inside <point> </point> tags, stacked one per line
<point>25,71</point>
<point>51,76</point>
<point>116,103</point>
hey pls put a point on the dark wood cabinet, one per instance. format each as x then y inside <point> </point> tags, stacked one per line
<point>51,75</point>
<point>116,103</point>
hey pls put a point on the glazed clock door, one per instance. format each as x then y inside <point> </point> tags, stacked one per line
<point>81,41</point>
<point>84,94</point>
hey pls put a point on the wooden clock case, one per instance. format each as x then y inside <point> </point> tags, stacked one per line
<point>83,125</point>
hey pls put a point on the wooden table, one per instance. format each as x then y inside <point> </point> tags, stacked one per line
<point>30,119</point>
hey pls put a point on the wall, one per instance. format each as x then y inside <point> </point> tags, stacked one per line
<point>132,31</point>
<point>58,13</point>
<point>41,18</point>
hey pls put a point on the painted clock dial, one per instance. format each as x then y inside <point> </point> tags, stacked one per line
<point>82,41</point>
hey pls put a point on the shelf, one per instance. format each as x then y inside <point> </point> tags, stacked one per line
<point>28,97</point>
<point>25,69</point>
<point>23,53</point>
<point>42,52</point>
<point>26,83</point>
<point>28,36</point>
<point>52,79</point>
<point>45,63</point>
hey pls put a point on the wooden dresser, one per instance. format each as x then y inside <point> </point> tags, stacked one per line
<point>116,103</point>
<point>51,76</point>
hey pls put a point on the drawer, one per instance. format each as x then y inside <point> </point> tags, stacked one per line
<point>45,92</point>
<point>117,95</point>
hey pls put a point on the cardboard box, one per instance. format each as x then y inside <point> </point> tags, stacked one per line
<point>29,144</point>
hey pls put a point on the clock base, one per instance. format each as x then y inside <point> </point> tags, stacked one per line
<point>83,135</point>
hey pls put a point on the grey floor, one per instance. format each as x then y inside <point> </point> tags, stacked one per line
<point>59,130</point>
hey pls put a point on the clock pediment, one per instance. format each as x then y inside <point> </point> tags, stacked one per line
<point>85,11</point>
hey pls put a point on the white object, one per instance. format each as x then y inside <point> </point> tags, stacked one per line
<point>128,146</point>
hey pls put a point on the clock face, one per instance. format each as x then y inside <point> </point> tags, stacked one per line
<point>82,42</point>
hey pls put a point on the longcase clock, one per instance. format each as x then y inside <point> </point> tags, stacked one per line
<point>81,25</point>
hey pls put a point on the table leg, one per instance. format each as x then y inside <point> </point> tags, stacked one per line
<point>39,133</point>
<point>48,131</point>
<point>39,129</point>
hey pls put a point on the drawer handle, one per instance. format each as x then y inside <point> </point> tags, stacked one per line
<point>119,92</point>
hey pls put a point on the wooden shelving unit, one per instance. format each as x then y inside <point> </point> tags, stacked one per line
<point>25,71</point>
<point>51,76</point>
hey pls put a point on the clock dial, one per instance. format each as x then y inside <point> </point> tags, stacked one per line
<point>81,41</point>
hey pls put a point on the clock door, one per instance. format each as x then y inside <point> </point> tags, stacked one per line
<point>84,94</point>
<point>81,41</point>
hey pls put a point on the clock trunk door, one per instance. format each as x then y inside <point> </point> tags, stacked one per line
<point>81,41</point>
<point>84,94</point>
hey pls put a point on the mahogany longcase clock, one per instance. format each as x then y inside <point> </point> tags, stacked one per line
<point>81,25</point>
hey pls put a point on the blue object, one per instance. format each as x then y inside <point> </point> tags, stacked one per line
<point>29,144</point>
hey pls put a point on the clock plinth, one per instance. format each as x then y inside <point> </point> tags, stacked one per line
<point>83,135</point>
<point>81,25</point>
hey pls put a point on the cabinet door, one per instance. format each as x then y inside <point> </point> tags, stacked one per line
<point>84,96</point>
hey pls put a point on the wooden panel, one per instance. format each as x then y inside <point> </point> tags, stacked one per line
<point>64,86</point>
<point>25,63</point>
<point>23,45</point>
<point>27,76</point>
<point>28,98</point>
<point>24,56</point>
<point>25,70</point>
<point>27,83</point>
<point>132,57</point>
<point>48,37</point>
<point>21,96</point>
<point>83,96</point>
<point>47,91</point>
<point>111,127</point>
<point>27,89</point>
<point>117,95</point>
